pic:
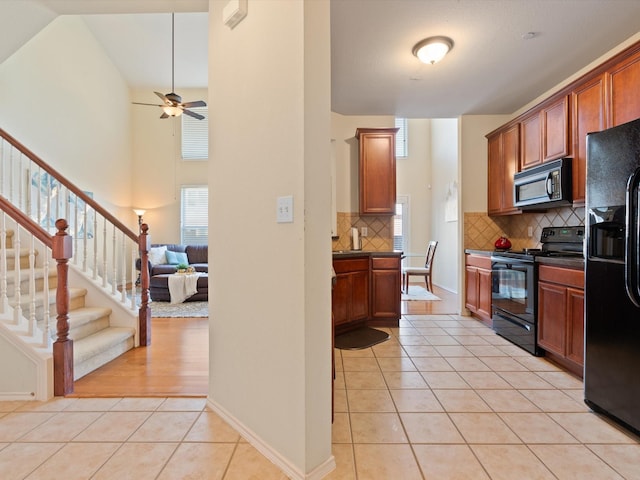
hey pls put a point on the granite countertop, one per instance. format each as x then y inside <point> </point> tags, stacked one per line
<point>365,253</point>
<point>486,253</point>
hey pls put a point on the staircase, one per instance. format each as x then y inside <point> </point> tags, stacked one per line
<point>67,286</point>
<point>95,341</point>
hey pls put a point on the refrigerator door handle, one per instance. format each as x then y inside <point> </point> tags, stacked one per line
<point>632,237</point>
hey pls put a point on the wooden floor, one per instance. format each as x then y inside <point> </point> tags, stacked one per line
<point>176,362</point>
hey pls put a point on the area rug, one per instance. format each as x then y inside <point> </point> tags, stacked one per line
<point>416,292</point>
<point>186,309</point>
<point>360,338</point>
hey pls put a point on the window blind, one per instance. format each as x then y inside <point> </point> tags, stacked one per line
<point>194,215</point>
<point>195,135</point>
<point>402,149</point>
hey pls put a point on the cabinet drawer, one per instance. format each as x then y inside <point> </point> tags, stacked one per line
<point>351,265</point>
<point>562,276</point>
<point>478,261</point>
<point>385,263</point>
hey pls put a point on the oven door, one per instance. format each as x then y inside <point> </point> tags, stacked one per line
<point>513,288</point>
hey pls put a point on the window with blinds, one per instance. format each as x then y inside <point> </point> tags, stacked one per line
<point>195,135</point>
<point>401,224</point>
<point>402,149</point>
<point>194,215</point>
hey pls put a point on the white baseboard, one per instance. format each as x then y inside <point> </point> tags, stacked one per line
<point>278,460</point>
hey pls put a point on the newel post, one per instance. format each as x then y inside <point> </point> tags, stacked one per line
<point>62,251</point>
<point>144,314</point>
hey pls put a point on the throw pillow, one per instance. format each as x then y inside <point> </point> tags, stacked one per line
<point>176,258</point>
<point>157,255</point>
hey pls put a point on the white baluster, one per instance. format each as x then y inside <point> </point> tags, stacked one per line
<point>4,301</point>
<point>105,264</point>
<point>46,334</point>
<point>20,202</point>
<point>134,255</point>
<point>123,275</point>
<point>95,244</point>
<point>84,238</point>
<point>114,261</point>
<point>31,327</point>
<point>17,311</point>
<point>11,173</point>
<point>75,229</point>
<point>39,197</point>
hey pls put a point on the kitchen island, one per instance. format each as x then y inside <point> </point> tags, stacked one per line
<point>367,289</point>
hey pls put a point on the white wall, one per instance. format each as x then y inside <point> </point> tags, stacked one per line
<point>270,339</point>
<point>158,169</point>
<point>444,201</point>
<point>413,175</point>
<point>63,98</point>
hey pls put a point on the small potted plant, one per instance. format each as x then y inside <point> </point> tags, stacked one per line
<point>182,267</point>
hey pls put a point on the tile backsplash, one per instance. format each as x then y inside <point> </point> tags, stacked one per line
<point>379,236</point>
<point>481,231</point>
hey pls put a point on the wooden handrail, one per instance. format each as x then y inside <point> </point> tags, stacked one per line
<point>32,227</point>
<point>69,185</point>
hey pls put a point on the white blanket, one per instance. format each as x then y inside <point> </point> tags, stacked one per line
<point>182,286</point>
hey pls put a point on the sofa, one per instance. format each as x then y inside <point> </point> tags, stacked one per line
<point>163,264</point>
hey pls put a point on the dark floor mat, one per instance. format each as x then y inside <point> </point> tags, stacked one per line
<point>362,337</point>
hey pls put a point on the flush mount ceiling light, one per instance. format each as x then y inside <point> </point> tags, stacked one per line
<point>433,49</point>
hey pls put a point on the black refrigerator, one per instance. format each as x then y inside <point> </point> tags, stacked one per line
<point>612,274</point>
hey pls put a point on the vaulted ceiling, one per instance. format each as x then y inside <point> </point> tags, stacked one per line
<point>492,69</point>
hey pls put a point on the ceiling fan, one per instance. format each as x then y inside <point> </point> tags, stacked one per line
<point>172,105</point>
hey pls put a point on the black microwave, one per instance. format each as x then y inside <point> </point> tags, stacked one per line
<point>545,186</point>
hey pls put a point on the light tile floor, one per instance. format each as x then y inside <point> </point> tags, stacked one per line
<point>444,398</point>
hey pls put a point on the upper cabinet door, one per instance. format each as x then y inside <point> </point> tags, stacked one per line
<point>555,130</point>
<point>530,141</point>
<point>589,115</point>
<point>377,167</point>
<point>624,81</point>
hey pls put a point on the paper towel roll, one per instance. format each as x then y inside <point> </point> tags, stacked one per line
<point>355,239</point>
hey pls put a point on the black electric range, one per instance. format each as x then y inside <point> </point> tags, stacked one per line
<point>514,284</point>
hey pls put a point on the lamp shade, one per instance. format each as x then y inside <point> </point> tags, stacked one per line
<point>139,211</point>
<point>433,49</point>
<point>172,111</point>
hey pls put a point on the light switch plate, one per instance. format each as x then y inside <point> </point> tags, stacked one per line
<point>284,209</point>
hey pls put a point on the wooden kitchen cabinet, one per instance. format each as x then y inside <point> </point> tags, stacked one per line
<point>478,286</point>
<point>561,315</point>
<point>350,295</point>
<point>624,81</point>
<point>530,146</point>
<point>503,159</point>
<point>377,170</point>
<point>588,115</point>
<point>544,134</point>
<point>555,130</point>
<point>385,289</point>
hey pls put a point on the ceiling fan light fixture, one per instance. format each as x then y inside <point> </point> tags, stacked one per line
<point>172,110</point>
<point>433,49</point>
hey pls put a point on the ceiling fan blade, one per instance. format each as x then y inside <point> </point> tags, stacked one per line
<point>193,114</point>
<point>198,103</point>
<point>163,98</point>
<point>150,104</point>
<point>164,115</point>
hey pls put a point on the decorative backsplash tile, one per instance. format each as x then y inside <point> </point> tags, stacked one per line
<point>481,231</point>
<point>379,236</point>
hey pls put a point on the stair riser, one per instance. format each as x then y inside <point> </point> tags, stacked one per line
<point>81,368</point>
<point>88,328</point>
<point>25,287</point>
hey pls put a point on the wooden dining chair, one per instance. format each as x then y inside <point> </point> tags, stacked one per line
<point>421,271</point>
